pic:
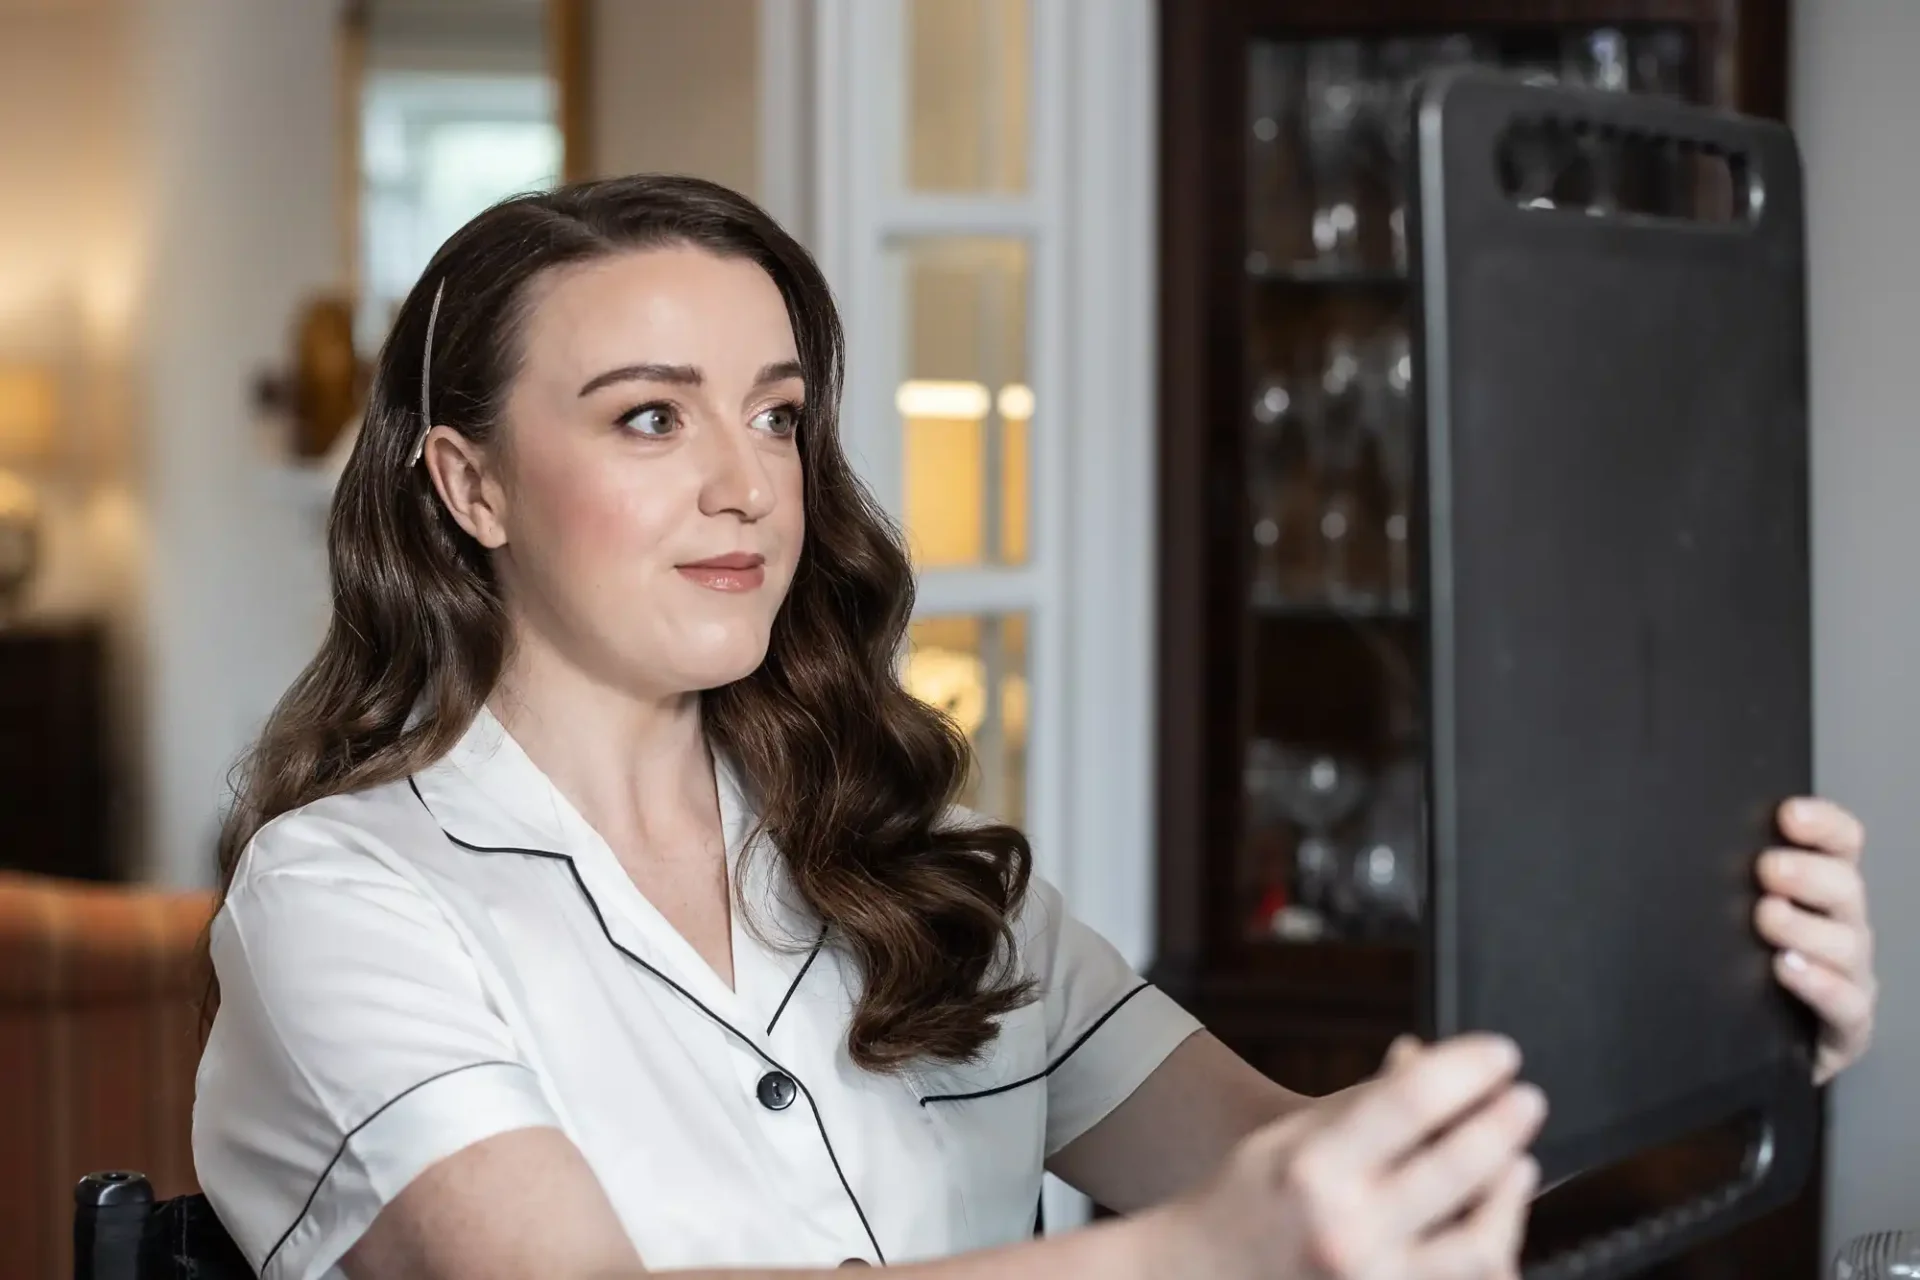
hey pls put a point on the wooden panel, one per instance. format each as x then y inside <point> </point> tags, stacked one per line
<point>55,793</point>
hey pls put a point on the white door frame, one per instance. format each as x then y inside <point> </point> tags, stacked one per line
<point>831,74</point>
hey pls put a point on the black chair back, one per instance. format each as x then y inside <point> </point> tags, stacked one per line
<point>121,1233</point>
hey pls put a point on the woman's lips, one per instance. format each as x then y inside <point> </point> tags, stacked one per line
<point>727,573</point>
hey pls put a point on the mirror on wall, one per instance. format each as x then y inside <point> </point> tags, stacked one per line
<point>457,104</point>
<point>447,106</point>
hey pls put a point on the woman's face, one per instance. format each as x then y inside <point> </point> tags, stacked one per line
<point>643,501</point>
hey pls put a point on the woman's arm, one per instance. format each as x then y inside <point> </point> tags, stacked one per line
<point>526,1204</point>
<point>1419,1174</point>
<point>1176,1129</point>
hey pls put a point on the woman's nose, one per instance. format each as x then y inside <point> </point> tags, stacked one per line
<point>737,479</point>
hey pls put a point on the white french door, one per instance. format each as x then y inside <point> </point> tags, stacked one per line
<point>979,188</point>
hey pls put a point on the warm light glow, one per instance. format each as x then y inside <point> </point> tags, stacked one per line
<point>1016,402</point>
<point>962,401</point>
<point>955,401</point>
<point>946,465</point>
<point>29,412</point>
<point>952,682</point>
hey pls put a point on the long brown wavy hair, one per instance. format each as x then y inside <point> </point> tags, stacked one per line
<point>852,774</point>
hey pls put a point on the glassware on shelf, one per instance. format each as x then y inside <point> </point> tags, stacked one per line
<point>1660,60</point>
<point>1387,872</point>
<point>1283,499</point>
<point>1349,538</point>
<point>1333,113</point>
<point>1311,793</point>
<point>1389,380</point>
<point>1277,230</point>
<point>1596,59</point>
<point>1400,62</point>
<point>1661,66</point>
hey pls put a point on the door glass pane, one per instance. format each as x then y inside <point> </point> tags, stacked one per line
<point>967,95</point>
<point>973,667</point>
<point>965,406</point>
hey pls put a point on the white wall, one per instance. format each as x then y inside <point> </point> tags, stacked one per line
<point>236,128</point>
<point>1855,101</point>
<point>72,254</point>
<point>674,89</point>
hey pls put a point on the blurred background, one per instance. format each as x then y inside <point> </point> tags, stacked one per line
<point>1125,289</point>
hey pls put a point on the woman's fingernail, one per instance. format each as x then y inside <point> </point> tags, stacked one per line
<point>1794,961</point>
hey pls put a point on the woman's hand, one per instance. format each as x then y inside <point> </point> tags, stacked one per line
<point>1419,1174</point>
<point>1815,912</point>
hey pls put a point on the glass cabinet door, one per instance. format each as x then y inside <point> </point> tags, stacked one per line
<point>1332,838</point>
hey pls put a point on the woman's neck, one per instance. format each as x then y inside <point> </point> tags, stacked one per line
<point>636,767</point>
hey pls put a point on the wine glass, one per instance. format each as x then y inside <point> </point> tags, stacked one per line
<point>1659,62</point>
<point>1317,791</point>
<point>1343,490</point>
<point>1597,59</point>
<point>1387,873</point>
<point>1276,233</point>
<point>1389,378</point>
<point>1660,66</point>
<point>1283,497</point>
<point>1334,104</point>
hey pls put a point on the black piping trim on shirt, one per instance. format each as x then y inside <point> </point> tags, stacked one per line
<point>341,1150</point>
<point>795,984</point>
<point>684,994</point>
<point>1051,1067</point>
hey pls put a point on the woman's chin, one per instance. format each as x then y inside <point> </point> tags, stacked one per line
<point>723,665</point>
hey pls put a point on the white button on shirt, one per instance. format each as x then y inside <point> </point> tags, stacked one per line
<point>409,970</point>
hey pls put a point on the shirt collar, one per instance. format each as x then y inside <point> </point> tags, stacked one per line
<point>488,793</point>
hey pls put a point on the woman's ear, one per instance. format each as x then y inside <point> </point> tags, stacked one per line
<point>463,476</point>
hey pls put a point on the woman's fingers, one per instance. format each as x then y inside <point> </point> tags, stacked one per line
<point>1840,945</point>
<point>1822,824</point>
<point>1460,1167</point>
<point>1485,1245</point>
<point>1424,1092</point>
<point>1822,881</point>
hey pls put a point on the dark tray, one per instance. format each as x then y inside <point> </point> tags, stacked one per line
<point>1615,412</point>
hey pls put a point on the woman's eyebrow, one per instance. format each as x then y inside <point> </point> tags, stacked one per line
<point>779,371</point>
<point>679,374</point>
<point>684,375</point>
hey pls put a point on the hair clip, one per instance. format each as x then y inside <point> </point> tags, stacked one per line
<point>426,378</point>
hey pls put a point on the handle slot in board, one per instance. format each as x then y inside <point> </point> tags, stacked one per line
<point>1567,163</point>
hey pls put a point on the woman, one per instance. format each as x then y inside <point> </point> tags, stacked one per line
<point>594,901</point>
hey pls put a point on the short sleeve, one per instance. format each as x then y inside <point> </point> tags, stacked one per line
<point>1107,1029</point>
<point>355,1045</point>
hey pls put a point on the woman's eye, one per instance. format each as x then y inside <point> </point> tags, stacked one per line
<point>652,420</point>
<point>782,420</point>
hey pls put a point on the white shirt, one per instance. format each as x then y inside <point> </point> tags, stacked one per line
<point>411,969</point>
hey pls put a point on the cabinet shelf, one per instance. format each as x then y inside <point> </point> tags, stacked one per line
<point>1306,611</point>
<point>1312,275</point>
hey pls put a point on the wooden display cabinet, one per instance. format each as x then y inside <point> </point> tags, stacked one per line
<point>1290,832</point>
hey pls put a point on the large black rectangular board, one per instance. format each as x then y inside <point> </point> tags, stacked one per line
<point>1616,580</point>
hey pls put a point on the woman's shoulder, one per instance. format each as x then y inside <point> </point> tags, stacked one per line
<point>357,835</point>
